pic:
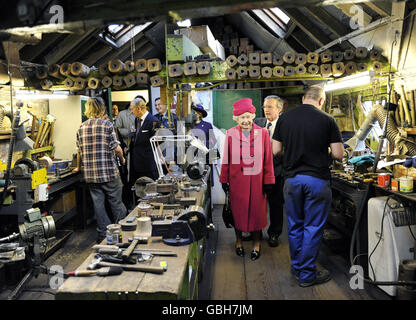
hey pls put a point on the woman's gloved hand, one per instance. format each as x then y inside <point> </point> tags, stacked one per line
<point>267,188</point>
<point>225,187</point>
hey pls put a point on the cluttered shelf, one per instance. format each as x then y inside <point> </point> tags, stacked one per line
<point>410,196</point>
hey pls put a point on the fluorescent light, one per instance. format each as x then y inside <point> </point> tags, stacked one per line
<point>35,95</point>
<point>355,80</point>
<point>184,23</point>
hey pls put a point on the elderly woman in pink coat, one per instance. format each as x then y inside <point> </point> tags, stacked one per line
<point>247,173</point>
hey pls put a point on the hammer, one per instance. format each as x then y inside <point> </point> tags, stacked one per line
<point>126,253</point>
<point>106,271</point>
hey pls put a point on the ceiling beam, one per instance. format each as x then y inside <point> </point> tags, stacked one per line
<point>304,40</point>
<point>382,8</point>
<point>262,38</point>
<point>270,23</point>
<point>321,15</point>
<point>350,10</point>
<point>92,59</point>
<point>306,25</point>
<point>69,43</point>
<point>30,53</point>
<point>334,26</point>
<point>138,11</point>
<point>290,29</point>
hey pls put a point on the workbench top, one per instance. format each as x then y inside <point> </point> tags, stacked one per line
<point>132,284</point>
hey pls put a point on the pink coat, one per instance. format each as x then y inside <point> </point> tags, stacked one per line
<point>247,165</point>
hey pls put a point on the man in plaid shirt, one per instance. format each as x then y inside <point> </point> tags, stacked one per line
<point>97,144</point>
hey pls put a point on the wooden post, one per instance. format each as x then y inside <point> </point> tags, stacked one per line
<point>46,84</point>
<point>278,71</point>
<point>94,83</point>
<point>231,60</point>
<point>53,71</point>
<point>204,67</point>
<point>41,73</point>
<point>116,66</point>
<point>80,70</point>
<point>412,107</point>
<point>175,70</point>
<point>289,57</point>
<point>230,74</point>
<point>65,69</point>
<point>350,67</point>
<point>141,65</point>
<point>242,59</point>
<point>300,58</point>
<point>107,82</point>
<point>404,102</point>
<point>154,65</point>
<point>313,69</point>
<point>130,80</point>
<point>142,78</point>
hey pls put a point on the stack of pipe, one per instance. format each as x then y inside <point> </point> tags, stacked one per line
<point>115,73</point>
<point>327,64</point>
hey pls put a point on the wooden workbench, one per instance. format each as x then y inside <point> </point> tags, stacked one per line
<point>131,285</point>
<point>180,281</point>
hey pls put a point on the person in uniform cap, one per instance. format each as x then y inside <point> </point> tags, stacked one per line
<point>246,173</point>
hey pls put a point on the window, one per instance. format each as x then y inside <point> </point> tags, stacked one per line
<point>280,14</point>
<point>118,34</point>
<point>269,21</point>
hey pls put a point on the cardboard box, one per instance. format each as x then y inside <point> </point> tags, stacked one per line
<point>402,171</point>
<point>202,37</point>
<point>66,202</point>
<point>220,50</point>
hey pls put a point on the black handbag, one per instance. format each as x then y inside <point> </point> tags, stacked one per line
<point>227,214</point>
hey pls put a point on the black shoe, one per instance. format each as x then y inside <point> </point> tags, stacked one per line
<point>321,277</point>
<point>273,240</point>
<point>255,255</point>
<point>239,251</point>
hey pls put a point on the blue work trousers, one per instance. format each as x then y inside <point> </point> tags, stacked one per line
<point>307,203</point>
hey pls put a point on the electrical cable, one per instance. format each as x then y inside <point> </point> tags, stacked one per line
<point>380,236</point>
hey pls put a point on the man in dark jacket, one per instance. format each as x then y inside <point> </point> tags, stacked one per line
<point>272,107</point>
<point>142,163</point>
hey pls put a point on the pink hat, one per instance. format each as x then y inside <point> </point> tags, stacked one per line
<point>243,105</point>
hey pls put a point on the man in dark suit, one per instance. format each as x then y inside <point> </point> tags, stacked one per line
<point>272,107</point>
<point>142,163</point>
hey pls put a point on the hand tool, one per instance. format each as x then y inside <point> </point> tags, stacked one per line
<point>106,271</point>
<point>128,267</point>
<point>155,252</point>
<point>126,253</point>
